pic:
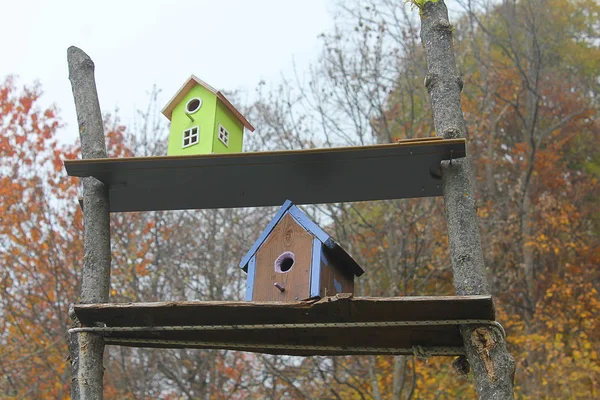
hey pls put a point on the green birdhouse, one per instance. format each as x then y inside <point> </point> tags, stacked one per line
<point>203,121</point>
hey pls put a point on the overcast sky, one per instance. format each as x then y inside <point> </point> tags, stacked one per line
<point>231,44</point>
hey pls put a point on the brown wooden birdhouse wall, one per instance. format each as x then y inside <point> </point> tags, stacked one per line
<point>294,259</point>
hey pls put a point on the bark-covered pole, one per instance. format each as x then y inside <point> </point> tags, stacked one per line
<point>493,367</point>
<point>87,365</point>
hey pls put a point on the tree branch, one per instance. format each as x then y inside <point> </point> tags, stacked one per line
<point>96,222</point>
<point>492,365</point>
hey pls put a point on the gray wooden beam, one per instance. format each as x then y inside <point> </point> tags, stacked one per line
<point>269,178</point>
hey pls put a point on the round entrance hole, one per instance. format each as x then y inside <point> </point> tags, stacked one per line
<point>193,105</point>
<point>285,262</point>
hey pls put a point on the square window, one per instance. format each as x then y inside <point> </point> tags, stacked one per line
<point>190,136</point>
<point>223,135</point>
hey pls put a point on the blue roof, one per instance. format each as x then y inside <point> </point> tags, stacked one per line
<point>330,246</point>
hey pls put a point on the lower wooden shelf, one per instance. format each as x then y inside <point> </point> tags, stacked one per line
<point>339,325</point>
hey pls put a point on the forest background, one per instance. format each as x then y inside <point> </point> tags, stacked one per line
<point>530,99</point>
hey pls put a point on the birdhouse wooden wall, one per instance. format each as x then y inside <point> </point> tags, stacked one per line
<point>332,278</point>
<point>294,259</point>
<point>284,259</point>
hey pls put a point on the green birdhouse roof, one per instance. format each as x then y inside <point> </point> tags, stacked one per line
<point>192,81</point>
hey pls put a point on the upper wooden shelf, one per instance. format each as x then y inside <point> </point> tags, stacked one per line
<point>329,326</point>
<point>344,174</point>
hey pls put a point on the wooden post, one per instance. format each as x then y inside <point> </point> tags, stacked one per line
<point>87,366</point>
<point>493,367</point>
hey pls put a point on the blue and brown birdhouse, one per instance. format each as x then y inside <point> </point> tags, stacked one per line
<point>294,259</point>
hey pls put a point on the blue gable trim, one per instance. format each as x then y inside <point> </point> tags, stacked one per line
<point>250,280</point>
<point>338,285</point>
<point>263,236</point>
<point>309,225</point>
<point>334,249</point>
<point>315,269</point>
<point>343,259</point>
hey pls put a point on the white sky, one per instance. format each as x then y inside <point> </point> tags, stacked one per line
<point>231,44</point>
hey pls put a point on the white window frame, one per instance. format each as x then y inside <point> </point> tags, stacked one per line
<point>191,137</point>
<point>197,108</point>
<point>226,135</point>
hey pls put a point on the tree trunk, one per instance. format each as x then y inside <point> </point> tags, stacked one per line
<point>529,136</point>
<point>492,365</point>
<point>399,376</point>
<point>73,345</point>
<point>373,377</point>
<point>89,370</point>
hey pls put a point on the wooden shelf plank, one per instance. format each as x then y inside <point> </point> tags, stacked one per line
<point>297,340</point>
<point>345,174</point>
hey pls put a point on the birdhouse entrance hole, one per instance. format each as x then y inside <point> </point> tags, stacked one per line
<point>285,262</point>
<point>193,105</point>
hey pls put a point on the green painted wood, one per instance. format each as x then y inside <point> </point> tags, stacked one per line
<point>204,119</point>
<point>233,125</point>
<point>380,172</point>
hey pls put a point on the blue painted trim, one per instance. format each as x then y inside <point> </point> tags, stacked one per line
<point>341,258</point>
<point>324,259</point>
<point>338,286</point>
<point>263,236</point>
<point>308,224</point>
<point>250,279</point>
<point>315,269</point>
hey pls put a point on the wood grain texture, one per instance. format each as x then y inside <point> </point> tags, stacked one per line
<point>264,235</point>
<point>330,309</point>
<point>286,236</point>
<point>341,308</point>
<point>332,276</point>
<point>349,338</point>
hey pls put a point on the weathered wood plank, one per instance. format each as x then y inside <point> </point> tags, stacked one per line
<point>330,309</point>
<point>340,308</point>
<point>269,178</point>
<point>346,341</point>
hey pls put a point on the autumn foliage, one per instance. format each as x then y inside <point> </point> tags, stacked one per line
<point>40,248</point>
<point>530,100</point>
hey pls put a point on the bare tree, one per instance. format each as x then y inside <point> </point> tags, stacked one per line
<point>367,88</point>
